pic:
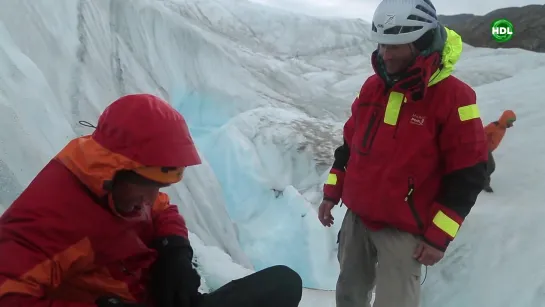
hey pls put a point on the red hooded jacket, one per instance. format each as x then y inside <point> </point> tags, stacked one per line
<point>61,242</point>
<point>414,153</point>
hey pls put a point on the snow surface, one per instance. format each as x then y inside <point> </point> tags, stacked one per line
<point>265,93</point>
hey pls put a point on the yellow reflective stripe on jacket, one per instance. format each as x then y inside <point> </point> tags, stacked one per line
<point>469,112</point>
<point>331,179</point>
<point>392,109</point>
<point>446,224</point>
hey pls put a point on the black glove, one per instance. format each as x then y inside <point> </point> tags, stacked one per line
<point>174,281</point>
<point>112,301</point>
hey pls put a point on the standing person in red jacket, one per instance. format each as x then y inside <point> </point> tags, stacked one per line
<point>93,230</point>
<point>413,160</point>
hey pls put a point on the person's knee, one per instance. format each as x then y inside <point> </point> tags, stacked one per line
<point>289,281</point>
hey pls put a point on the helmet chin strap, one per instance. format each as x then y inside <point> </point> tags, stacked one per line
<point>415,52</point>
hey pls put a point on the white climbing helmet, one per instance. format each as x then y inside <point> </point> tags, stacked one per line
<point>398,22</point>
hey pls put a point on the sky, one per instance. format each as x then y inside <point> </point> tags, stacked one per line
<point>364,8</point>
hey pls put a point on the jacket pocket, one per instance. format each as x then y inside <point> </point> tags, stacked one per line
<point>370,129</point>
<point>410,202</point>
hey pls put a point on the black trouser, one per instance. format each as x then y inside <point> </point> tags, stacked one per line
<point>490,168</point>
<point>277,286</point>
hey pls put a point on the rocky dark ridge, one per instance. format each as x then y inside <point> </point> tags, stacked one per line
<point>528,22</point>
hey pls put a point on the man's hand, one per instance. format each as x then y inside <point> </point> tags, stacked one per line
<point>427,254</point>
<point>324,213</point>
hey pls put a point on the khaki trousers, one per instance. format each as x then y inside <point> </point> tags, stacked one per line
<point>376,258</point>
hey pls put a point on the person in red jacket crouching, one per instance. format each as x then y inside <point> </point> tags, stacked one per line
<point>413,160</point>
<point>93,230</point>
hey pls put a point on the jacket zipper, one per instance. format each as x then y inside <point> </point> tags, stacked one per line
<point>369,129</point>
<point>410,202</point>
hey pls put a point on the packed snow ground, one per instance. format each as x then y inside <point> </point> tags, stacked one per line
<point>265,93</point>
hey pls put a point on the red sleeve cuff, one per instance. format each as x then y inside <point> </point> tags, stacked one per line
<point>333,188</point>
<point>443,227</point>
<point>167,220</point>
